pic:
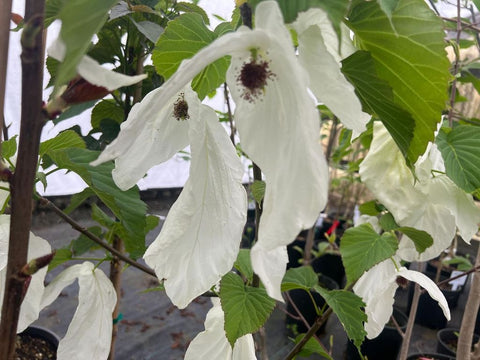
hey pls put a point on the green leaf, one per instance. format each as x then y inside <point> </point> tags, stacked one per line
<point>151,222</point>
<point>151,30</point>
<point>192,8</point>
<point>370,208</point>
<point>244,264</point>
<point>411,58</point>
<point>420,238</point>
<point>258,190</point>
<point>83,244</point>
<point>311,347</point>
<point>52,10</point>
<point>61,256</point>
<point>388,6</point>
<point>9,147</point>
<point>126,205</point>
<point>65,139</point>
<point>477,4</point>
<point>52,67</point>
<point>361,248</point>
<point>387,222</point>
<point>246,308</point>
<point>182,39</point>
<point>74,110</point>
<point>107,109</point>
<point>348,308</point>
<point>42,177</point>
<point>302,277</point>
<point>77,199</point>
<point>377,98</point>
<point>81,19</point>
<point>460,150</point>
<point>103,219</point>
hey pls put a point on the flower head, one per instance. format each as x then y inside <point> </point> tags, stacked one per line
<point>279,129</point>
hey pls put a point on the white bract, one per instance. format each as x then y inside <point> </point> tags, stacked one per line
<point>37,247</point>
<point>432,202</point>
<point>212,343</point>
<point>377,289</point>
<point>320,54</point>
<point>200,239</point>
<point>93,72</point>
<point>90,332</point>
<point>279,130</point>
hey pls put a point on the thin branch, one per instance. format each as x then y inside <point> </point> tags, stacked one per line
<point>22,182</point>
<point>467,328</point>
<point>411,321</point>
<point>48,204</point>
<point>464,25</point>
<point>305,322</point>
<point>446,281</point>
<point>5,13</point>
<point>316,325</point>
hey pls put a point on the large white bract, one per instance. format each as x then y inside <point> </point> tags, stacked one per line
<point>377,289</point>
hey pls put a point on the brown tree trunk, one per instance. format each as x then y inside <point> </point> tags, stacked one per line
<point>469,316</point>
<point>22,183</point>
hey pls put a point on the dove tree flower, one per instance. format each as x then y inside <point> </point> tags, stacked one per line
<point>431,202</point>
<point>377,289</point>
<point>278,126</point>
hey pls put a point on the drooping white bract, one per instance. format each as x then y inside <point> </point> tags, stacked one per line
<point>90,331</point>
<point>278,126</point>
<point>432,202</point>
<point>320,53</point>
<point>377,289</point>
<point>93,72</point>
<point>212,343</point>
<point>279,130</point>
<point>37,247</point>
<point>200,238</point>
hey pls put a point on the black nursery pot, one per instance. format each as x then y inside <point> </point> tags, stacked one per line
<point>429,356</point>
<point>447,340</point>
<point>43,339</point>
<point>384,346</point>
<point>304,303</point>
<point>330,265</point>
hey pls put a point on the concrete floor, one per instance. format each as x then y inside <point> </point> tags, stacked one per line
<point>152,328</point>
